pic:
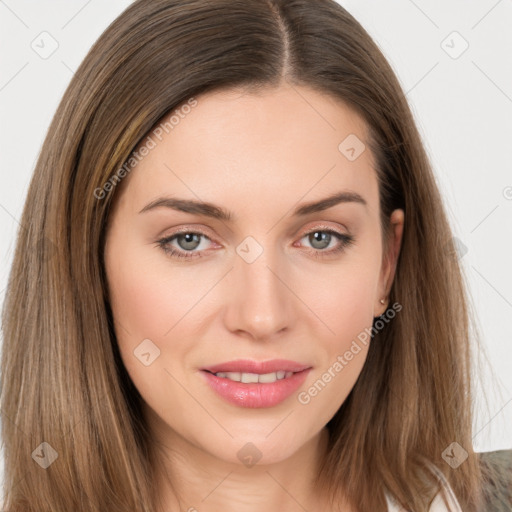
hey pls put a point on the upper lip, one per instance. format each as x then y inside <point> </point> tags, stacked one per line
<point>259,367</point>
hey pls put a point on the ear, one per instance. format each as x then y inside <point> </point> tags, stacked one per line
<point>389,261</point>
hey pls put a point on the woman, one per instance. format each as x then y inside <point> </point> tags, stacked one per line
<point>239,287</point>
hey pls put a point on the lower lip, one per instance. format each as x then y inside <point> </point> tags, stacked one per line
<point>256,394</point>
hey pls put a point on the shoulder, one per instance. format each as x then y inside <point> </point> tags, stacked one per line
<point>438,503</point>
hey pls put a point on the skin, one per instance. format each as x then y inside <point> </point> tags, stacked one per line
<point>258,156</point>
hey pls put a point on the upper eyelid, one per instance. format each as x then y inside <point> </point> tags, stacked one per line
<point>199,231</point>
<point>322,227</point>
<point>191,229</point>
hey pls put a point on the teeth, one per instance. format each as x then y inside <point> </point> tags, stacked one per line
<point>249,378</point>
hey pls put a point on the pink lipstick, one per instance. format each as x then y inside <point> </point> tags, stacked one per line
<point>254,384</point>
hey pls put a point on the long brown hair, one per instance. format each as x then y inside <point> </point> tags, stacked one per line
<point>63,382</point>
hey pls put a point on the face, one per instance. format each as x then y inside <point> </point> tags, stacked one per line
<point>271,279</point>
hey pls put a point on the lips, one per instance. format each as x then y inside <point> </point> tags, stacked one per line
<point>256,394</point>
<point>259,367</point>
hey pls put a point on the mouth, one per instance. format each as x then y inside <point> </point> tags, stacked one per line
<point>249,366</point>
<point>256,384</point>
<point>254,378</point>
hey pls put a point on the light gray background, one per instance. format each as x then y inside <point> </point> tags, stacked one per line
<point>462,103</point>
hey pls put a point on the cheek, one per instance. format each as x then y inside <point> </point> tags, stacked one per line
<point>149,297</point>
<point>150,311</point>
<point>345,304</point>
<point>326,390</point>
<point>343,354</point>
<point>343,297</point>
<point>144,307</point>
<point>158,307</point>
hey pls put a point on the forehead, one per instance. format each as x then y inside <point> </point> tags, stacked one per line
<point>247,149</point>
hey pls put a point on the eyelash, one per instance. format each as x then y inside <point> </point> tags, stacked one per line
<point>345,241</point>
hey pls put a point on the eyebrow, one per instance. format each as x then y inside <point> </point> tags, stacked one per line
<point>217,212</point>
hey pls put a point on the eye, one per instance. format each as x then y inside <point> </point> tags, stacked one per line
<point>320,239</point>
<point>187,242</point>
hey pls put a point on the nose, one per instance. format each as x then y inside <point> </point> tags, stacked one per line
<point>260,302</point>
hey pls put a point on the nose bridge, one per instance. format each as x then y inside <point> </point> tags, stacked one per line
<point>260,303</point>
